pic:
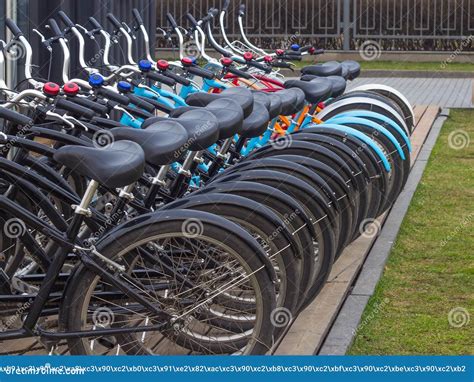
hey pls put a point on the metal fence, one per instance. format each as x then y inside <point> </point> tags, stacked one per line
<point>344,24</point>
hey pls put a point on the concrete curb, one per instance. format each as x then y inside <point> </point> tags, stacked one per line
<point>342,333</point>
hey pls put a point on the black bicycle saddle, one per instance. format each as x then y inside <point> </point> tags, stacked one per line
<point>331,68</point>
<point>242,96</point>
<point>162,141</point>
<point>315,91</point>
<point>116,165</point>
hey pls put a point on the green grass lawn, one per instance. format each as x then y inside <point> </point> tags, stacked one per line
<point>401,65</point>
<point>430,270</point>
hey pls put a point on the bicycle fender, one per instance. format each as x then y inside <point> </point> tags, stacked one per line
<point>364,138</point>
<point>141,222</point>
<point>381,117</point>
<point>372,125</point>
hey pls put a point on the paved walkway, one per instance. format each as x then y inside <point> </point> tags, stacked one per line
<point>444,92</point>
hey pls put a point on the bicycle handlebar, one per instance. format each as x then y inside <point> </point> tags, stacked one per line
<point>55,28</point>
<point>95,23</point>
<point>171,20</point>
<point>210,14</point>
<point>75,108</point>
<point>226,5</point>
<point>11,25</point>
<point>156,104</point>
<point>281,64</point>
<point>141,103</point>
<point>85,102</point>
<point>239,73</point>
<point>177,78</point>
<point>192,20</point>
<point>114,21</point>
<point>15,117</point>
<point>138,113</point>
<point>197,71</point>
<point>137,16</point>
<point>258,65</point>
<point>66,20</point>
<point>290,58</point>
<point>160,78</point>
<point>113,96</point>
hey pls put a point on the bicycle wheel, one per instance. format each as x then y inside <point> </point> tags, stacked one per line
<point>270,231</point>
<point>321,218</point>
<point>183,262</point>
<point>291,213</point>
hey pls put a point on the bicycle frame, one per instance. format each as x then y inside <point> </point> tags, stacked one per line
<point>65,244</point>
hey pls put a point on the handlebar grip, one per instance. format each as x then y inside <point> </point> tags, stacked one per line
<point>160,78</point>
<point>55,28</point>
<point>74,108</point>
<point>200,72</point>
<point>318,51</point>
<point>191,19</point>
<point>292,53</point>
<point>66,20</point>
<point>97,107</point>
<point>226,5</point>
<point>156,104</point>
<point>171,20</point>
<point>95,23</point>
<point>260,66</point>
<point>281,64</point>
<point>239,73</point>
<point>141,103</point>
<point>113,96</point>
<point>177,78</point>
<point>15,117</point>
<point>305,48</point>
<point>210,14</point>
<point>290,58</point>
<point>13,28</point>
<point>113,20</point>
<point>138,113</point>
<point>137,16</point>
<point>242,9</point>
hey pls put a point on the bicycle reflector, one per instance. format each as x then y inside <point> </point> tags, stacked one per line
<point>51,89</point>
<point>144,65</point>
<point>187,61</point>
<point>295,47</point>
<point>162,65</point>
<point>96,80</point>
<point>248,56</point>
<point>124,86</point>
<point>226,61</point>
<point>71,89</point>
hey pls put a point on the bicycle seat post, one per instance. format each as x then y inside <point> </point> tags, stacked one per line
<point>82,210</point>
